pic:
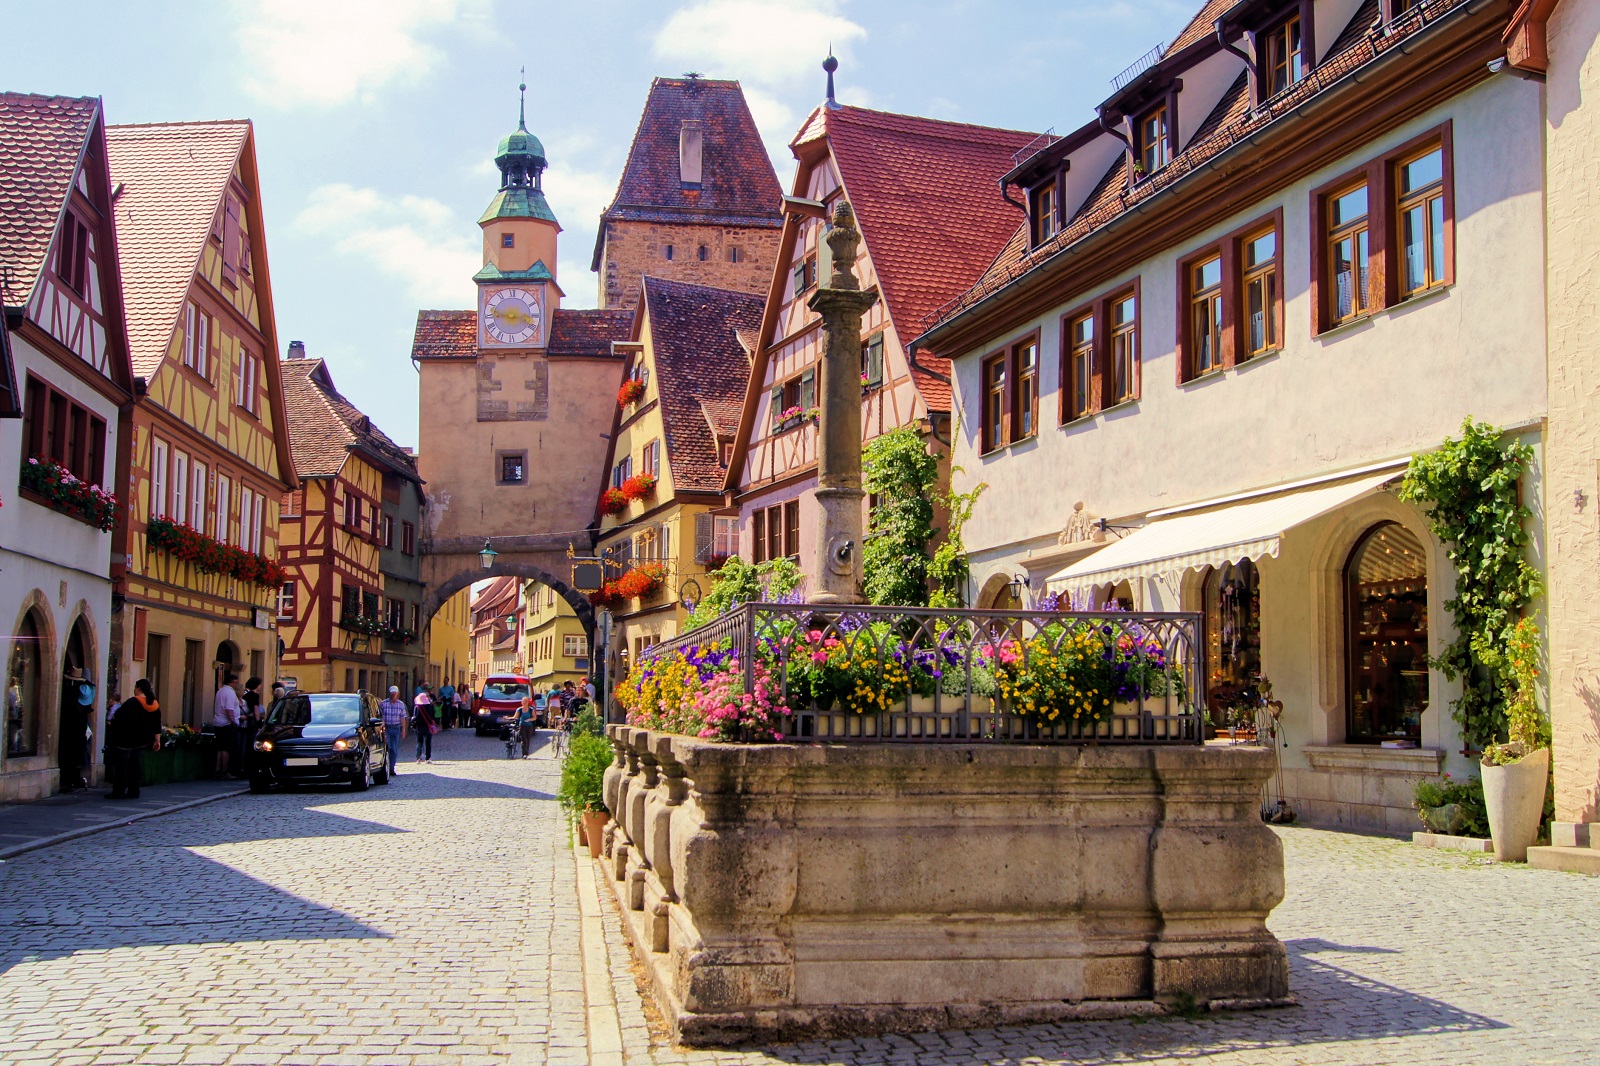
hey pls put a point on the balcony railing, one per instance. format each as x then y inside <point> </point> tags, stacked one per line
<point>851,674</point>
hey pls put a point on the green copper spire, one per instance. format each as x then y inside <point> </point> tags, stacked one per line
<point>521,160</point>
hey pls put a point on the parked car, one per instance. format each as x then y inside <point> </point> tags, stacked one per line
<point>498,702</point>
<point>321,738</point>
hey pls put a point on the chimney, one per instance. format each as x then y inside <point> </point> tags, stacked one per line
<point>297,349</point>
<point>690,145</point>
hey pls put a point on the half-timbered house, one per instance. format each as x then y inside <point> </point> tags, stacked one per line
<point>677,415</point>
<point>332,610</point>
<point>210,457</point>
<point>1296,247</point>
<point>909,180</point>
<point>63,464</point>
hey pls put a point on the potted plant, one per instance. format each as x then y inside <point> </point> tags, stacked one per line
<point>631,391</point>
<point>1516,773</point>
<point>582,786</point>
<point>1451,807</point>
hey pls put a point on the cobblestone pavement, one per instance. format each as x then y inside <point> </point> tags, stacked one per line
<point>437,920</point>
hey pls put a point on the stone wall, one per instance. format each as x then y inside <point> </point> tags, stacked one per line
<point>775,890</point>
<point>634,249</point>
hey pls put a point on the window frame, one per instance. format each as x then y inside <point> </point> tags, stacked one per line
<point>804,274</point>
<point>1069,375</point>
<point>791,529</point>
<point>1261,46</point>
<point>1024,423</point>
<point>775,531</point>
<point>758,535</point>
<point>1249,274</point>
<point>160,456</point>
<point>408,538</point>
<point>995,423</point>
<point>1009,396</point>
<point>1044,210</point>
<point>72,253</point>
<point>1167,108</point>
<point>288,596</point>
<point>200,479</point>
<point>1233,342</point>
<point>1434,276</point>
<point>872,361</point>
<point>1380,174</point>
<point>57,427</point>
<point>518,455</point>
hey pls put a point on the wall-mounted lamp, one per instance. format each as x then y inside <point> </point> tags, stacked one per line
<point>1019,582</point>
<point>486,557</point>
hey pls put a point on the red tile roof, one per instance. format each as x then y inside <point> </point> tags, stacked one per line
<point>738,185</point>
<point>701,373</point>
<point>42,141</point>
<point>573,331</point>
<point>1203,24</point>
<point>1229,122</point>
<point>588,332</point>
<point>173,176</point>
<point>324,427</point>
<point>925,195</point>
<point>445,335</point>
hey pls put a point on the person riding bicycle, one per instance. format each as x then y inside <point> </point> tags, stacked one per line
<point>525,724</point>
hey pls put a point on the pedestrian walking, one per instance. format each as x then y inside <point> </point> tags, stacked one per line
<point>464,706</point>
<point>249,722</point>
<point>134,727</point>
<point>426,725</point>
<point>393,711</point>
<point>526,724</point>
<point>447,704</point>
<point>226,710</point>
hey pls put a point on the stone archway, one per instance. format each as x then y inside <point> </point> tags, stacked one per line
<point>442,587</point>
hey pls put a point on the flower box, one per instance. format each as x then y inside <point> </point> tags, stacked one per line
<point>56,487</point>
<point>639,487</point>
<point>613,502</point>
<point>631,392</point>
<point>210,556</point>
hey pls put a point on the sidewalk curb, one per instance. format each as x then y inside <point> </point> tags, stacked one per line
<point>118,823</point>
<point>603,1028</point>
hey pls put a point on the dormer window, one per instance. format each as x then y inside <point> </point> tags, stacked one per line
<point>1283,56</point>
<point>1153,148</point>
<point>1046,208</point>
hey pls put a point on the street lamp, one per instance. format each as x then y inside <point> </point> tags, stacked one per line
<point>487,556</point>
<point>1018,583</point>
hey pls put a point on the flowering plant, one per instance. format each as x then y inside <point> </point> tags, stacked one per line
<point>613,502</point>
<point>606,595</point>
<point>630,392</point>
<point>210,556</point>
<point>399,636</point>
<point>76,497</point>
<point>730,713</point>
<point>1078,671</point>
<point>639,486</point>
<point>181,736</point>
<point>787,414</point>
<point>642,581</point>
<point>369,624</point>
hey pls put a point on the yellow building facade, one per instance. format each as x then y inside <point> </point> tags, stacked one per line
<point>556,648</point>
<point>450,641</point>
<point>210,459</point>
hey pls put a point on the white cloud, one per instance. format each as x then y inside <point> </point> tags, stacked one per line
<point>577,197</point>
<point>415,240</point>
<point>327,52</point>
<point>767,42</point>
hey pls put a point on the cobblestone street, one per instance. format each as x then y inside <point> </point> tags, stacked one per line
<point>438,920</point>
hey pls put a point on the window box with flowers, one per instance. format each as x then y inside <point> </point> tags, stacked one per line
<point>644,582</point>
<point>187,544</point>
<point>790,417</point>
<point>613,502</point>
<point>639,487</point>
<point>366,624</point>
<point>53,485</point>
<point>631,392</point>
<point>399,635</point>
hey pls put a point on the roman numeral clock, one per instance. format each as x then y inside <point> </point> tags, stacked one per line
<point>512,316</point>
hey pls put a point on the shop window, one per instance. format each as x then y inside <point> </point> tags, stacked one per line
<point>1386,644</point>
<point>24,688</point>
<point>1233,629</point>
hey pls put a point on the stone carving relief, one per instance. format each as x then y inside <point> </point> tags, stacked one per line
<point>524,401</point>
<point>1081,528</point>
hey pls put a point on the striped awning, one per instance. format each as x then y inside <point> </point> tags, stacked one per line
<point>1250,529</point>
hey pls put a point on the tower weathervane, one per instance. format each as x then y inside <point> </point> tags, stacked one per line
<point>522,102</point>
<point>830,65</point>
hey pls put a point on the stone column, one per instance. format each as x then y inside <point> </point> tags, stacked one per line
<point>841,303</point>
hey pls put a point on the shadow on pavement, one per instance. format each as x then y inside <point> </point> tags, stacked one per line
<point>1336,1005</point>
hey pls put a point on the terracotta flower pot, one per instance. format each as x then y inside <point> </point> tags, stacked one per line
<point>594,826</point>
<point>1514,796</point>
<point>583,838</point>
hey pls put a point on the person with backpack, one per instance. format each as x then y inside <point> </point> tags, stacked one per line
<point>134,727</point>
<point>425,723</point>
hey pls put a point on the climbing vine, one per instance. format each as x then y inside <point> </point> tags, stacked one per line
<point>737,581</point>
<point>1470,489</point>
<point>898,469</point>
<point>949,569</point>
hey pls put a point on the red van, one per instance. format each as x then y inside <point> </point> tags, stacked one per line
<point>498,702</point>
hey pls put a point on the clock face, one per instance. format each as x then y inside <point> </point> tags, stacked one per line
<point>513,316</point>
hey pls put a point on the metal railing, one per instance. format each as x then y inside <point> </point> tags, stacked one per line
<point>856,673</point>
<point>1138,67</point>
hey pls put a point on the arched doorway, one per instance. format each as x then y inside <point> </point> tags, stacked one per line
<point>78,690</point>
<point>227,662</point>
<point>996,595</point>
<point>25,691</point>
<point>1386,636</point>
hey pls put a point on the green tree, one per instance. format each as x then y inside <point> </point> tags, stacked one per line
<point>898,469</point>
<point>1470,487</point>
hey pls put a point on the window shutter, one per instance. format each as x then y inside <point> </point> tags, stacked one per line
<point>230,239</point>
<point>808,389</point>
<point>702,538</point>
<point>777,402</point>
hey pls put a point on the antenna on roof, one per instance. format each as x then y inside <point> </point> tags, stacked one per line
<point>830,65</point>
<point>522,102</point>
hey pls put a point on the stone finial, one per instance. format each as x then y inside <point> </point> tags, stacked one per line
<point>844,240</point>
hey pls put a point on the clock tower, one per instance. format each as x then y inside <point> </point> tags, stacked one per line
<point>517,291</point>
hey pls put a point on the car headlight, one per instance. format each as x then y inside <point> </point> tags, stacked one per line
<point>263,745</point>
<point>483,710</point>
<point>341,744</point>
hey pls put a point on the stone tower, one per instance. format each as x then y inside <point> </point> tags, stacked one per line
<point>698,200</point>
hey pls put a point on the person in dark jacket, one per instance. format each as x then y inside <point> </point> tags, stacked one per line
<point>135,727</point>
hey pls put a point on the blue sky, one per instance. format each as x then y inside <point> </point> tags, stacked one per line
<point>376,119</point>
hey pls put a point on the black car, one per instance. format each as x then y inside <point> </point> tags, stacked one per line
<point>321,738</point>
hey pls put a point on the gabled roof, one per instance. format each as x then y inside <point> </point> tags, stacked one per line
<point>172,177</point>
<point>499,590</point>
<point>738,185</point>
<point>701,371</point>
<point>42,142</point>
<point>324,427</point>
<point>573,332</point>
<point>925,196</point>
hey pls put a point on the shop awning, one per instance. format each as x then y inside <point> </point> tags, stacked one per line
<point>1249,529</point>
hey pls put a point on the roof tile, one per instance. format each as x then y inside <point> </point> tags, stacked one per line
<point>324,427</point>
<point>173,176</point>
<point>42,139</point>
<point>573,331</point>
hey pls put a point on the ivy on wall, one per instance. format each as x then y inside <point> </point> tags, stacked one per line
<point>898,469</point>
<point>1470,489</point>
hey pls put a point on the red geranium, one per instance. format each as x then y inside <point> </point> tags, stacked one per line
<point>639,486</point>
<point>613,502</point>
<point>630,392</point>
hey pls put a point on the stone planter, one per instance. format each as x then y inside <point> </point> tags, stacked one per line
<point>1514,796</point>
<point>774,890</point>
<point>158,766</point>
